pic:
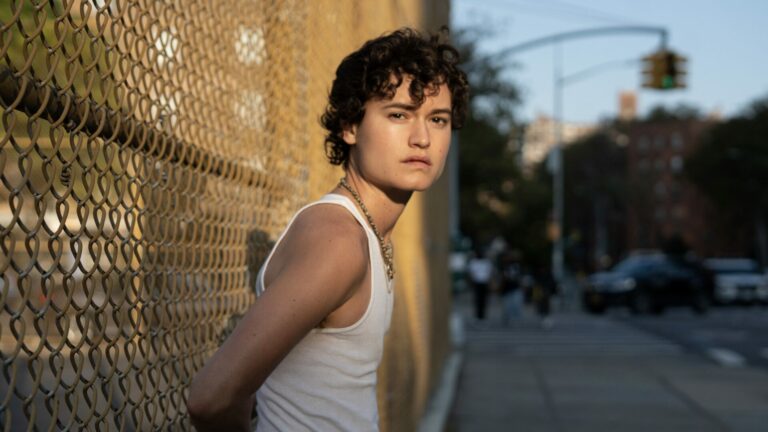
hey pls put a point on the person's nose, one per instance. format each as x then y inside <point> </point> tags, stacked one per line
<point>419,135</point>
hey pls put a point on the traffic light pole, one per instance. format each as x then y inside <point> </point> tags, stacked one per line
<point>557,162</point>
<point>558,174</point>
<point>600,31</point>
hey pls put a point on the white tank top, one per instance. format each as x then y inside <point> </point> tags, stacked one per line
<point>328,380</point>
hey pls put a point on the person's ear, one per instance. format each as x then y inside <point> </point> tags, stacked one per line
<point>349,134</point>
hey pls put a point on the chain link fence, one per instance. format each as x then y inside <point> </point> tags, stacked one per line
<point>151,151</point>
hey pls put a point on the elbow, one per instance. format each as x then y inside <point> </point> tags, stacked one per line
<point>199,409</point>
<point>214,410</point>
<point>202,407</point>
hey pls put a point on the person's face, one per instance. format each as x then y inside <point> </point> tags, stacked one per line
<point>399,145</point>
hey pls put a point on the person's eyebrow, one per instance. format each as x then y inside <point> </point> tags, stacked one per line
<point>441,111</point>
<point>412,107</point>
<point>403,106</point>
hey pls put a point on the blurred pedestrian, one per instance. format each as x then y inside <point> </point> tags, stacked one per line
<point>480,270</point>
<point>544,288</point>
<point>511,287</point>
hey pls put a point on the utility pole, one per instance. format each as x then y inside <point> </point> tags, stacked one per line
<point>558,173</point>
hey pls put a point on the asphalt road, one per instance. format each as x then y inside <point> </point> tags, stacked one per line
<point>729,336</point>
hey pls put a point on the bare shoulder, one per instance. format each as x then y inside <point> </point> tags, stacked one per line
<point>331,219</point>
<point>326,243</point>
<point>331,225</point>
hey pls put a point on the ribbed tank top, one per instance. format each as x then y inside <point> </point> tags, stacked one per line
<point>328,380</point>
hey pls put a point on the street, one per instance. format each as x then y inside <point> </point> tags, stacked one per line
<point>677,371</point>
<point>730,336</point>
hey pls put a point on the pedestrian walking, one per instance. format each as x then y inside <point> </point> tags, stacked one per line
<point>480,270</point>
<point>309,346</point>
<point>544,288</point>
<point>511,287</point>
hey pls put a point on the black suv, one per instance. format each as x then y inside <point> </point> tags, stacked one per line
<point>648,283</point>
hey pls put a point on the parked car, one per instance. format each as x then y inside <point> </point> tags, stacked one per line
<point>648,283</point>
<point>738,281</point>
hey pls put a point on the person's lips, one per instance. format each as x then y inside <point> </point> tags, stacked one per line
<point>418,161</point>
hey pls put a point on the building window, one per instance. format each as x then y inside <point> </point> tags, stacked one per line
<point>643,144</point>
<point>658,164</point>
<point>675,191</point>
<point>677,141</point>
<point>659,142</point>
<point>676,164</point>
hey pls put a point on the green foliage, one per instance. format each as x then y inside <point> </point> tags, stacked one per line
<point>731,166</point>
<point>496,199</point>
<point>683,111</point>
<point>595,196</point>
<point>493,97</point>
<point>484,161</point>
<point>596,167</point>
<point>528,221</point>
<point>43,41</point>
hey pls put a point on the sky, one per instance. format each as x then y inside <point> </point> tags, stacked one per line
<point>726,42</point>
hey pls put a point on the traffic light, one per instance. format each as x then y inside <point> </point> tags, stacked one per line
<point>664,70</point>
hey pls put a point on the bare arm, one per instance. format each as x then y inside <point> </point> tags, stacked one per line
<point>323,263</point>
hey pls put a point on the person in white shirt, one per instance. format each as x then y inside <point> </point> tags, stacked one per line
<point>309,347</point>
<point>481,271</point>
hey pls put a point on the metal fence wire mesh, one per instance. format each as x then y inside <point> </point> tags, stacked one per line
<point>150,153</point>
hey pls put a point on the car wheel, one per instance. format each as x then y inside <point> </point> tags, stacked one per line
<point>641,303</point>
<point>596,309</point>
<point>700,303</point>
<point>658,309</point>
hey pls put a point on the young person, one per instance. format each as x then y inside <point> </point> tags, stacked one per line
<point>310,344</point>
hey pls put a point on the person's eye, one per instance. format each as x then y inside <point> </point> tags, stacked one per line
<point>440,121</point>
<point>397,116</point>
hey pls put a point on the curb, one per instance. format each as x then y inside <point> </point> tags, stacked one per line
<point>440,404</point>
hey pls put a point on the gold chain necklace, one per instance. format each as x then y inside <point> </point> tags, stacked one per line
<point>386,249</point>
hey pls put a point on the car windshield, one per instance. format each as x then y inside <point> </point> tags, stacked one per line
<point>733,266</point>
<point>636,262</point>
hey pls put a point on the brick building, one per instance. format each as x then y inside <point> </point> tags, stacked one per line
<point>663,204</point>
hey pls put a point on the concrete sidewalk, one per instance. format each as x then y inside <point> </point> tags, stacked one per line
<point>594,374</point>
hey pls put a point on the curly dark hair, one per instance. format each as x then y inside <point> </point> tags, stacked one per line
<point>368,74</point>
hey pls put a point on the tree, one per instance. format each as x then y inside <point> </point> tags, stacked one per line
<point>495,198</point>
<point>529,217</point>
<point>731,167</point>
<point>595,194</point>
<point>485,162</point>
<point>680,112</point>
